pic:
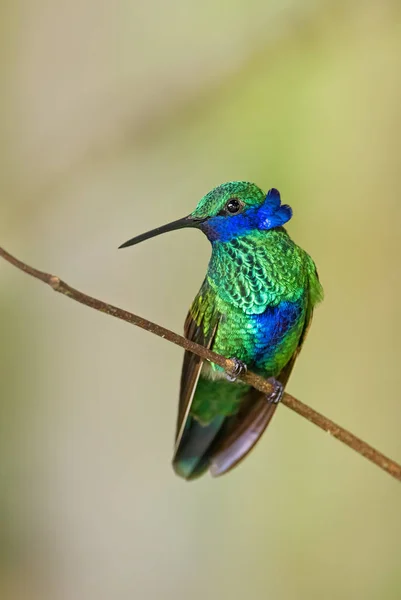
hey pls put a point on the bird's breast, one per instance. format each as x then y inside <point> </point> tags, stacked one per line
<point>253,274</point>
<point>265,341</point>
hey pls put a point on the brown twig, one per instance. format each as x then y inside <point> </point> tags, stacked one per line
<point>256,381</point>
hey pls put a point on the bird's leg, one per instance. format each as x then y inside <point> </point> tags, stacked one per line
<point>277,392</point>
<point>239,369</point>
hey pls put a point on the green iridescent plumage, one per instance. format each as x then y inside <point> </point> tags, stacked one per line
<point>256,305</point>
<point>273,270</point>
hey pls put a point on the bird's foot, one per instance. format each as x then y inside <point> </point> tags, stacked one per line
<point>239,369</point>
<point>277,392</point>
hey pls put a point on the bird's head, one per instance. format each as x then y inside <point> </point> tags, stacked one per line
<point>230,210</point>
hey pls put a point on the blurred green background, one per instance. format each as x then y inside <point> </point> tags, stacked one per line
<point>116,117</point>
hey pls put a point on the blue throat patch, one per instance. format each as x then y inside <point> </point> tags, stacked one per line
<point>268,215</point>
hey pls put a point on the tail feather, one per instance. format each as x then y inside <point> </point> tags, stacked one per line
<point>192,457</point>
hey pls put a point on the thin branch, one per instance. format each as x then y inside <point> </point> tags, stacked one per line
<point>252,379</point>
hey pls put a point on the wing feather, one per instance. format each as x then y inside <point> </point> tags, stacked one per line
<point>200,327</point>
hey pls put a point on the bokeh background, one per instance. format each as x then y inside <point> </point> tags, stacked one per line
<point>116,117</point>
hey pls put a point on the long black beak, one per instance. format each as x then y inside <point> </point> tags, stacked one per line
<point>180,224</point>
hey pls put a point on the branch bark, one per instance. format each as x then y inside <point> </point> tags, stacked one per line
<point>348,438</point>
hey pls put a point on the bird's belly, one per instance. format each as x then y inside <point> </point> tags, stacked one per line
<point>265,342</point>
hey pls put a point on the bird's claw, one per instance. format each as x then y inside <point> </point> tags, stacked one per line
<point>239,369</point>
<point>277,392</point>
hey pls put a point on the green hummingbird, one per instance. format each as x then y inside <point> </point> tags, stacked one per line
<point>255,306</point>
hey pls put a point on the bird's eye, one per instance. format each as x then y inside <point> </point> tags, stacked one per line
<point>233,206</point>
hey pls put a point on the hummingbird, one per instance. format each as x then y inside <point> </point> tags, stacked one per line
<point>255,306</point>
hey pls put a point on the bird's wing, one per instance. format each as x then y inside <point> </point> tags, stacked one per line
<point>241,431</point>
<point>200,327</point>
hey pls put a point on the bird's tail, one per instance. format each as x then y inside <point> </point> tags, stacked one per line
<point>192,457</point>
